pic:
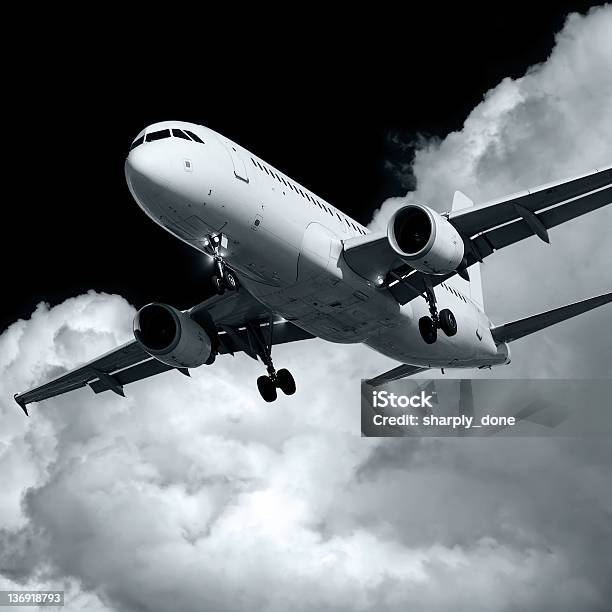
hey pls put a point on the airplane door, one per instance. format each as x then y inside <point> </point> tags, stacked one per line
<point>315,251</point>
<point>240,171</point>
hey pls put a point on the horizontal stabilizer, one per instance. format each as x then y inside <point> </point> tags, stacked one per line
<point>401,371</point>
<point>518,329</point>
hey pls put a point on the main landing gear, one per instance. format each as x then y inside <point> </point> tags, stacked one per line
<point>444,320</point>
<point>223,278</point>
<point>275,379</point>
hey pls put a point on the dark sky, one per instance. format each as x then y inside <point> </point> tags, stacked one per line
<point>317,97</point>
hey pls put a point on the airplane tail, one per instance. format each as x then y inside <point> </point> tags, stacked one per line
<point>474,287</point>
<point>508,332</point>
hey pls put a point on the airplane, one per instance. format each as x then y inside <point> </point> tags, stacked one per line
<point>289,266</point>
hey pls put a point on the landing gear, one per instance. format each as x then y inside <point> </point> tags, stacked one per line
<point>448,323</point>
<point>267,388</point>
<point>223,279</point>
<point>230,280</point>
<point>285,382</point>
<point>428,330</point>
<point>281,379</point>
<point>217,284</point>
<point>226,281</point>
<point>445,320</point>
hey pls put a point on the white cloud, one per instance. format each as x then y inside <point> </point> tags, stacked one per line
<point>195,494</point>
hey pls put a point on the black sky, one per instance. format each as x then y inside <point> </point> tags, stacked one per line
<point>317,96</point>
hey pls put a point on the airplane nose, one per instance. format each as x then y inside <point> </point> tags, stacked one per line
<point>146,170</point>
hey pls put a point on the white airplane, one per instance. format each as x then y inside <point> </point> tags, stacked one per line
<point>290,266</point>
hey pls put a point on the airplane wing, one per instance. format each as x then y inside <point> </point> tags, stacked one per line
<point>401,371</point>
<point>485,228</point>
<point>232,314</point>
<point>519,329</point>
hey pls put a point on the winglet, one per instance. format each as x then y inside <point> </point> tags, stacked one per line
<point>21,403</point>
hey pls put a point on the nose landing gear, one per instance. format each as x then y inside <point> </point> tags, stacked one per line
<point>444,320</point>
<point>223,278</point>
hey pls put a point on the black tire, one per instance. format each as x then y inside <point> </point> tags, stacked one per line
<point>217,285</point>
<point>428,330</point>
<point>230,281</point>
<point>285,381</point>
<point>448,323</point>
<point>267,389</point>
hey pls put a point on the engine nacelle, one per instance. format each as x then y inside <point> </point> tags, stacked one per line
<point>171,336</point>
<point>425,239</point>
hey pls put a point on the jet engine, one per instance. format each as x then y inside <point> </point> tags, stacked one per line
<point>171,336</point>
<point>425,240</point>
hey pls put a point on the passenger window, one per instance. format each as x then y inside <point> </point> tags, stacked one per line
<point>137,142</point>
<point>194,136</point>
<point>158,135</point>
<point>179,134</point>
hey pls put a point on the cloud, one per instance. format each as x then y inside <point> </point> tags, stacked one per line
<point>195,494</point>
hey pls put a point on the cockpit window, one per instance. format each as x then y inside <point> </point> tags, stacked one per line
<point>137,142</point>
<point>194,136</point>
<point>179,134</point>
<point>151,136</point>
<point>160,134</point>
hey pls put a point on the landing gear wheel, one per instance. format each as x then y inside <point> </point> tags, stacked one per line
<point>448,323</point>
<point>230,281</point>
<point>428,330</point>
<point>217,284</point>
<point>267,388</point>
<point>285,382</point>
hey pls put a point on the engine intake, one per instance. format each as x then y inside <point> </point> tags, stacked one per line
<point>171,336</point>
<point>425,240</point>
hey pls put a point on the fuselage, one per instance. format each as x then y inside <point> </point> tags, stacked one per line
<point>286,245</point>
